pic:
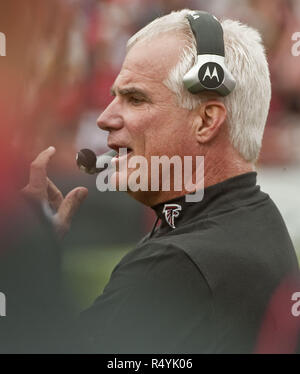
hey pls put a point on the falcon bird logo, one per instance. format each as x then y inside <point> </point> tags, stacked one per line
<point>171,211</point>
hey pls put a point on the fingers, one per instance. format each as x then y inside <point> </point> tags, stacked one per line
<point>38,169</point>
<point>55,197</point>
<point>41,187</point>
<point>68,207</point>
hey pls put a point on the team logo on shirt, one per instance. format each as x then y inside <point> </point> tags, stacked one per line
<point>171,212</point>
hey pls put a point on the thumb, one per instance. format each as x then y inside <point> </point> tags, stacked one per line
<point>68,208</point>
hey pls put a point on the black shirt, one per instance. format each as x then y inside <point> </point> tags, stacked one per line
<point>201,282</point>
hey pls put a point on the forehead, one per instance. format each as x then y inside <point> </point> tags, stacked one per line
<point>149,61</point>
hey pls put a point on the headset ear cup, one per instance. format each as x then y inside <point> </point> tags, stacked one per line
<point>209,73</point>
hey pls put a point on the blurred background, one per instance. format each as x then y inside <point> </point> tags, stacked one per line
<point>62,57</point>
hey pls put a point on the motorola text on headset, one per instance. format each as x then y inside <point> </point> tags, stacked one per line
<point>208,74</point>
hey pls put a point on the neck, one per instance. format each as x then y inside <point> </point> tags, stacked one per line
<point>218,167</point>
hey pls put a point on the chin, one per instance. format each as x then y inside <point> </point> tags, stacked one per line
<point>145,197</point>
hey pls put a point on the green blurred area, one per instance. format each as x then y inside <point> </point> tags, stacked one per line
<point>87,271</point>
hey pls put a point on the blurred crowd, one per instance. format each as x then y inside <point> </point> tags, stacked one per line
<point>67,53</point>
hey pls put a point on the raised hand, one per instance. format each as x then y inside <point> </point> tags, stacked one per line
<point>41,188</point>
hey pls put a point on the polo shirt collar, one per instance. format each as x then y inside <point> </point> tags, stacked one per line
<point>219,197</point>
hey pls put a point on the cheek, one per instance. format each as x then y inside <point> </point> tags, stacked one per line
<point>142,130</point>
<point>157,130</point>
<point>169,138</point>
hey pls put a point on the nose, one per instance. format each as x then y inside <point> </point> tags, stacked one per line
<point>111,118</point>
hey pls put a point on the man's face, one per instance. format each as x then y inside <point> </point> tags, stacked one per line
<point>144,116</point>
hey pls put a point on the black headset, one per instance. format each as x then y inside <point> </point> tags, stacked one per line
<point>209,73</point>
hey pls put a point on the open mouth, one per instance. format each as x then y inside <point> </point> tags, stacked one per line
<point>128,150</point>
<point>123,151</point>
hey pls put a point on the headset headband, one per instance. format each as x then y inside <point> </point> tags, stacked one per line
<point>208,33</point>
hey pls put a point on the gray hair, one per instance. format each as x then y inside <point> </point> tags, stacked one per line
<point>248,105</point>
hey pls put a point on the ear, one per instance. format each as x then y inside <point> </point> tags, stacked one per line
<point>209,119</point>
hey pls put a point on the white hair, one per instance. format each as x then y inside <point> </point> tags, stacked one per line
<point>248,105</point>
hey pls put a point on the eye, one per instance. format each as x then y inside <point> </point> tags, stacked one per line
<point>135,100</point>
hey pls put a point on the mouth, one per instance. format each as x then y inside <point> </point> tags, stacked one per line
<point>121,150</point>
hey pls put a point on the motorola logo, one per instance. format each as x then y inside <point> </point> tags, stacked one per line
<point>211,75</point>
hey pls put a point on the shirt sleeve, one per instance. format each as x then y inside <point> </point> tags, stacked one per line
<point>158,302</point>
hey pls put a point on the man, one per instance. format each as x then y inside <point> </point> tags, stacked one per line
<point>202,283</point>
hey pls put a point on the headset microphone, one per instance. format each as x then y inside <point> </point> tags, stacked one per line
<point>87,160</point>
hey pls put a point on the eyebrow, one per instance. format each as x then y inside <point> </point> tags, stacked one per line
<point>130,91</point>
